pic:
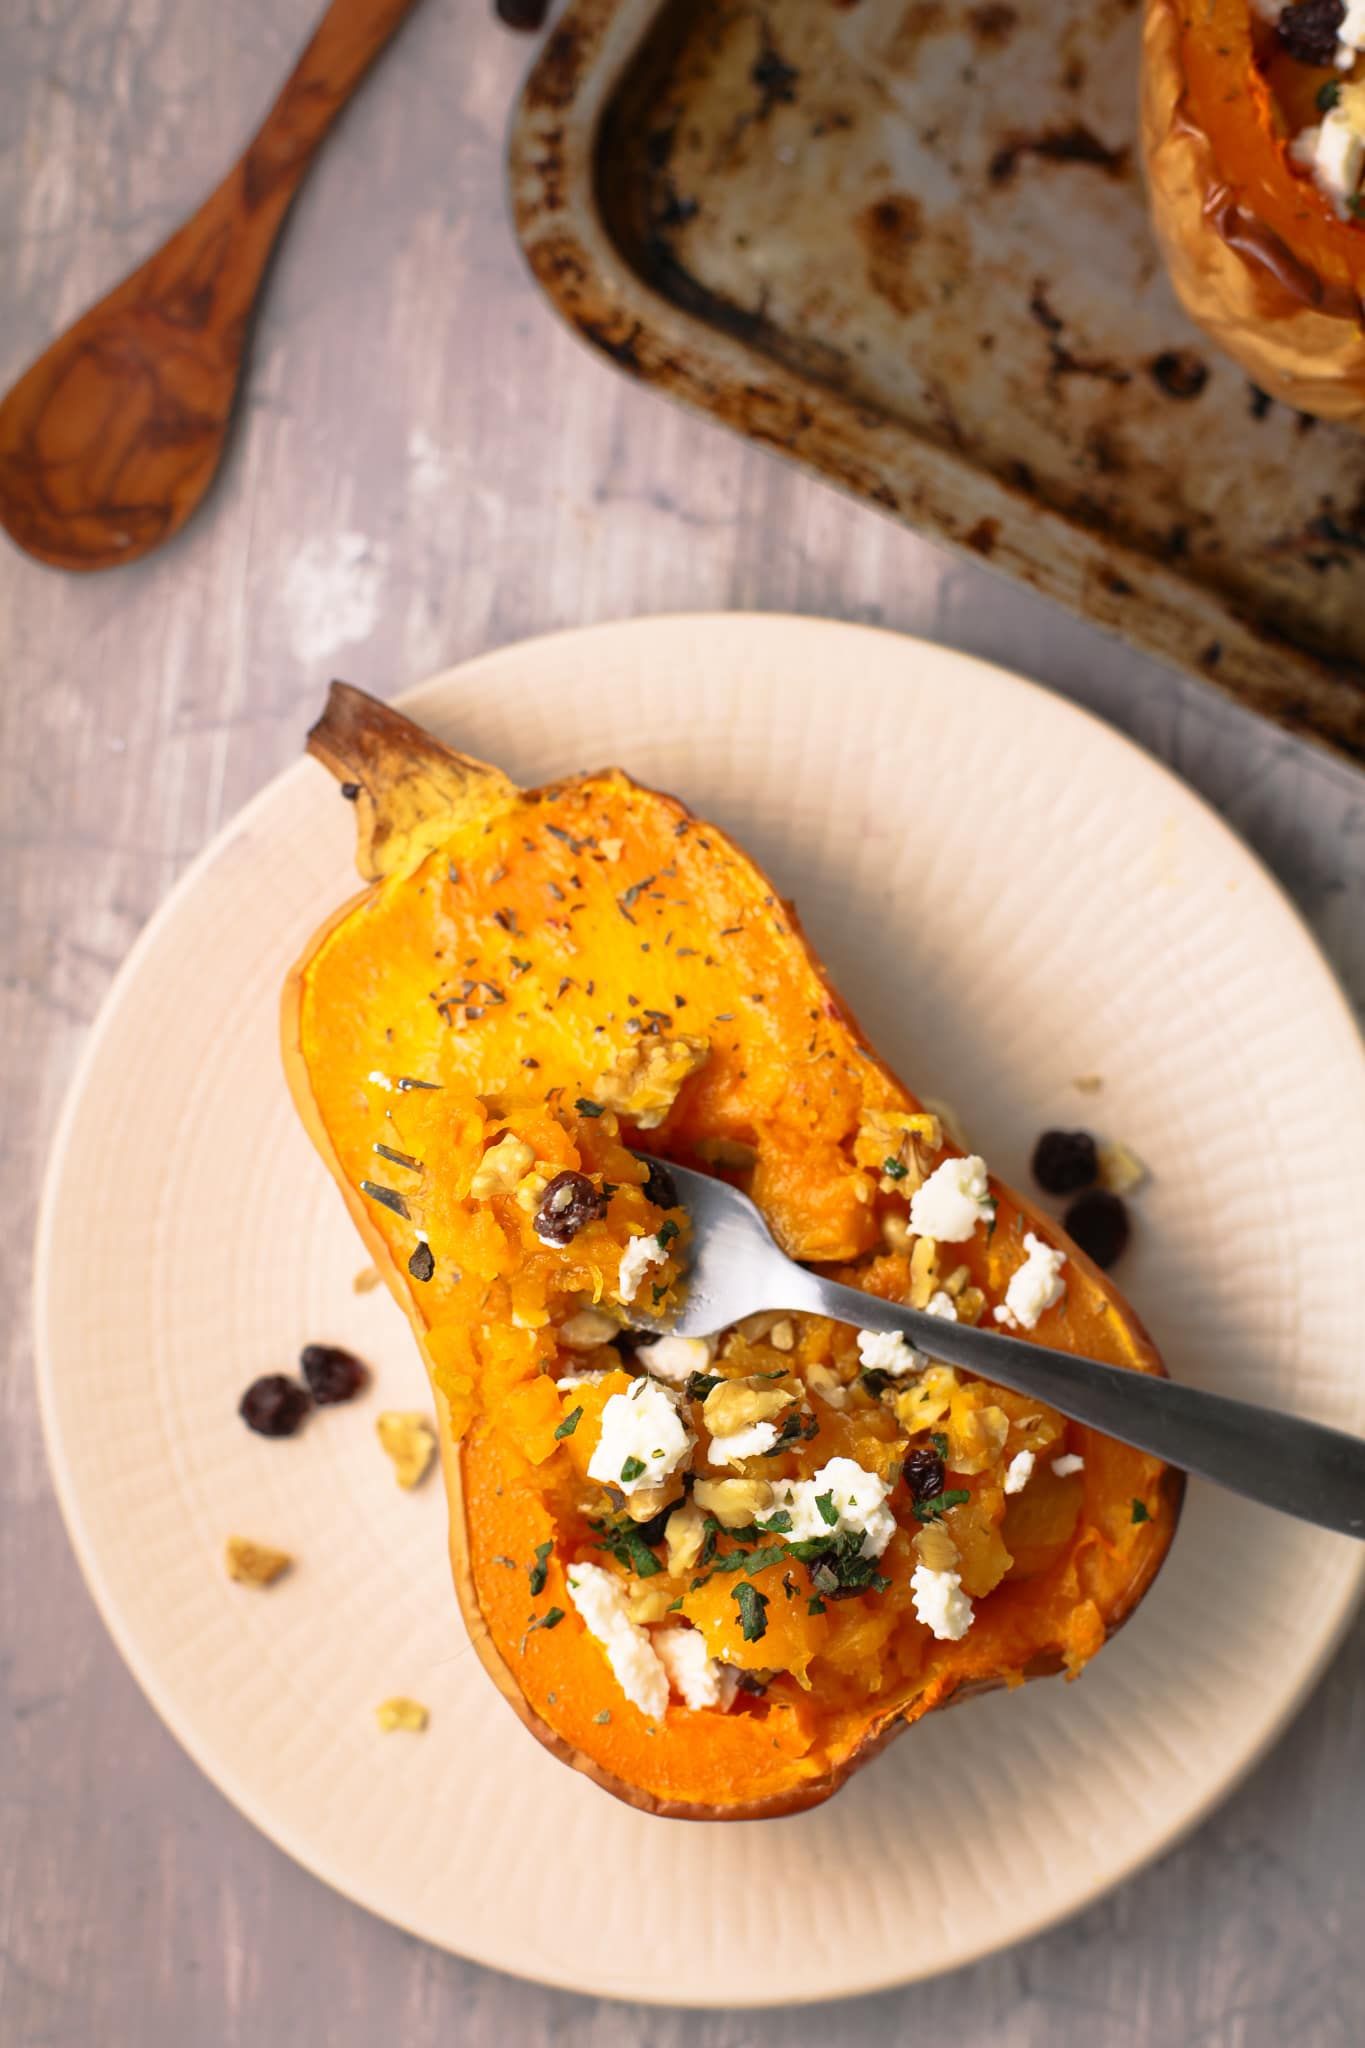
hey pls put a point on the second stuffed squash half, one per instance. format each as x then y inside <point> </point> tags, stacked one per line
<point>715,1575</point>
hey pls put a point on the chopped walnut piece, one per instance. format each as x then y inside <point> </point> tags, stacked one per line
<point>1120,1168</point>
<point>733,1502</point>
<point>895,1144</point>
<point>782,1335</point>
<point>586,1329</point>
<point>825,1383</point>
<point>643,1083</point>
<point>738,1404</point>
<point>254,1564</point>
<point>502,1169</point>
<point>684,1536</point>
<point>924,1281</point>
<point>408,1716</point>
<point>646,1601</point>
<point>971,1305</point>
<point>895,1230</point>
<point>366,1280</point>
<point>410,1441</point>
<point>935,1547</point>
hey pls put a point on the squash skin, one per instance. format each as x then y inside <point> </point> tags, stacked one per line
<point>1255,301</point>
<point>360,740</point>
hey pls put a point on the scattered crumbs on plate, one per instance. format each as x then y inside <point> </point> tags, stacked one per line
<point>366,1280</point>
<point>410,1441</point>
<point>1120,1168</point>
<point>1088,1084</point>
<point>409,1717</point>
<point>254,1564</point>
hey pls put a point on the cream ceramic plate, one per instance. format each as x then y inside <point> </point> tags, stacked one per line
<point>1012,897</point>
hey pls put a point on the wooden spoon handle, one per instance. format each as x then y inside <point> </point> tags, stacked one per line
<point>344,45</point>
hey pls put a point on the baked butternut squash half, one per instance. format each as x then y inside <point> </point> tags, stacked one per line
<point>714,1575</point>
<point>1253,136</point>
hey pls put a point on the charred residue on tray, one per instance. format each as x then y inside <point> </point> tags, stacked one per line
<point>559,70</point>
<point>774,77</point>
<point>1179,372</point>
<point>992,24</point>
<point>1331,539</point>
<point>1075,144</point>
<point>888,231</point>
<point>1064,361</point>
<point>982,537</point>
<point>922,19</point>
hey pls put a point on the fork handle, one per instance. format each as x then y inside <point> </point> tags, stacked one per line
<point>1300,1467</point>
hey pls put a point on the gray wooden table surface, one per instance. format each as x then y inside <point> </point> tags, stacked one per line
<point>427,466</point>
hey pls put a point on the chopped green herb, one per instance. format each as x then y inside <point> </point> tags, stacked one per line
<point>667,1231</point>
<point>625,1543</point>
<point>894,1170</point>
<point>539,1571</point>
<point>1141,1512</point>
<point>777,1524</point>
<point>699,1384</point>
<point>930,1510</point>
<point>570,1422</point>
<point>632,1469</point>
<point>1328,95</point>
<point>674,1605</point>
<point>550,1619</point>
<point>585,1107</point>
<point>753,1619</point>
<point>939,1442</point>
<point>815,1605</point>
<point>829,1514</point>
<point>603,1718</point>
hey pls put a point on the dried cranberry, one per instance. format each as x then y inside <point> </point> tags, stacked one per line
<point>1309,30</point>
<point>1099,1223</point>
<point>332,1374</point>
<point>1064,1161</point>
<point>659,1187</point>
<point>274,1405</point>
<point>527,15</point>
<point>570,1202</point>
<point>924,1474</point>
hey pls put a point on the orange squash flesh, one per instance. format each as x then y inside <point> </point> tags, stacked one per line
<point>1257,253</point>
<point>534,959</point>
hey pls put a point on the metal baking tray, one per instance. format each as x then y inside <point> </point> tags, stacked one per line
<point>905,242</point>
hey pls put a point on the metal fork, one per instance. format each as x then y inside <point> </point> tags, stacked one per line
<point>1300,1467</point>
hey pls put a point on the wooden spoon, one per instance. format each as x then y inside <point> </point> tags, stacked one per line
<point>110,439</point>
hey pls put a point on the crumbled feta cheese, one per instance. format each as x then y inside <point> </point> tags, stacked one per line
<point>887,1351</point>
<point>600,1597</point>
<point>698,1680</point>
<point>941,1603</point>
<point>1019,1471</point>
<point>675,1359</point>
<point>941,1304</point>
<point>1065,1466</point>
<point>954,1199</point>
<point>380,1080</point>
<point>1351,34</point>
<point>643,1438</point>
<point>639,1256</point>
<point>1338,158</point>
<point>742,1443</point>
<point>855,1497</point>
<point>1034,1286</point>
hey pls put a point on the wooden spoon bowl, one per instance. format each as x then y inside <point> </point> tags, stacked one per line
<point>111,438</point>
